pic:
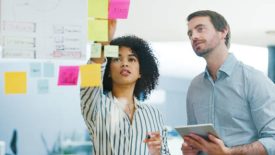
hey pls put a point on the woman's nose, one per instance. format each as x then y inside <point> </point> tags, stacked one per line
<point>124,63</point>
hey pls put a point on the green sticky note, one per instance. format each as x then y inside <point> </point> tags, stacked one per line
<point>96,50</point>
<point>111,51</point>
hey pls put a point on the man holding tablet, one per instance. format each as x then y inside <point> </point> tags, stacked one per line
<point>237,99</point>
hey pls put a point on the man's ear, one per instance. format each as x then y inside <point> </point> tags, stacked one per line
<point>224,32</point>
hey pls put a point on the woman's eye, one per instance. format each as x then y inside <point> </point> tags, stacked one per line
<point>132,59</point>
<point>115,59</point>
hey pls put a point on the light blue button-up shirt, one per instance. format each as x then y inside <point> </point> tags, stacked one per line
<point>240,104</point>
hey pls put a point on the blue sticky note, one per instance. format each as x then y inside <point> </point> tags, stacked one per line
<point>43,86</point>
<point>35,69</point>
<point>48,69</point>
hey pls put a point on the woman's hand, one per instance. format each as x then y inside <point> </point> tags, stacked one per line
<point>153,141</point>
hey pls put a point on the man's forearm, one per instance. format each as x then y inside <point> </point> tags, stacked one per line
<point>255,148</point>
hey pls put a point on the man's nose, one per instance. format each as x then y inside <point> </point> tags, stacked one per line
<point>194,36</point>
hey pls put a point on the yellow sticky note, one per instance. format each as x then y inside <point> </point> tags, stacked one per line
<point>98,30</point>
<point>90,75</point>
<point>98,8</point>
<point>15,82</point>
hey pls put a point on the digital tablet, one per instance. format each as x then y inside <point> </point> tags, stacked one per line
<point>200,129</point>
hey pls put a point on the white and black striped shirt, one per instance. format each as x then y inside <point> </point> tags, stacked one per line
<point>110,128</point>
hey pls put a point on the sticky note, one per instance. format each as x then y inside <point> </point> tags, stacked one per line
<point>43,86</point>
<point>68,75</point>
<point>111,51</point>
<point>96,50</point>
<point>90,75</point>
<point>15,82</point>
<point>98,30</point>
<point>118,9</point>
<point>98,8</point>
<point>35,69</point>
<point>48,69</point>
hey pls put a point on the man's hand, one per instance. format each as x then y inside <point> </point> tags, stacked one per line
<point>214,146</point>
<point>188,150</point>
<point>154,142</point>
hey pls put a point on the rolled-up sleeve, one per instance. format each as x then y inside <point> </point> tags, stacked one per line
<point>261,95</point>
<point>90,99</point>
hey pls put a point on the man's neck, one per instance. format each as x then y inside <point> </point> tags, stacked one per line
<point>215,61</point>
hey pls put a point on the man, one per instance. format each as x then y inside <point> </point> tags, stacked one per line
<point>236,98</point>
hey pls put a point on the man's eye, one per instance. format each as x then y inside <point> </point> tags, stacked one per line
<point>200,29</point>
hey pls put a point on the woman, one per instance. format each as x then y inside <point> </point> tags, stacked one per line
<point>117,120</point>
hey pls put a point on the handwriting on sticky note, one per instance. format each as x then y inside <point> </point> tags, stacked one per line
<point>118,9</point>
<point>111,51</point>
<point>43,86</point>
<point>90,75</point>
<point>68,75</point>
<point>35,69</point>
<point>96,50</point>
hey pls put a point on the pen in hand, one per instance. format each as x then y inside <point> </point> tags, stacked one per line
<point>148,136</point>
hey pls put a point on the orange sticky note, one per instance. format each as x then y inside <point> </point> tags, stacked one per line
<point>98,30</point>
<point>90,75</point>
<point>15,83</point>
<point>98,8</point>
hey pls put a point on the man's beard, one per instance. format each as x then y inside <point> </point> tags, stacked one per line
<point>203,53</point>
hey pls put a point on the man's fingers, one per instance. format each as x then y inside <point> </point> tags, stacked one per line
<point>193,142</point>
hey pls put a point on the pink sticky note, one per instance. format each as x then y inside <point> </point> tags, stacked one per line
<point>68,75</point>
<point>118,9</point>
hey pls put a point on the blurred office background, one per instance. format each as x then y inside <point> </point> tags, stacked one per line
<point>52,122</point>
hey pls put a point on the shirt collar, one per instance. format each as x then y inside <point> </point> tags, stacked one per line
<point>227,67</point>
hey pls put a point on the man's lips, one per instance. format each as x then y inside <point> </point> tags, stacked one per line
<point>196,45</point>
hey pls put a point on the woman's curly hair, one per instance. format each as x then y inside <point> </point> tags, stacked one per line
<point>148,66</point>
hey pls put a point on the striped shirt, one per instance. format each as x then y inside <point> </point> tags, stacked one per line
<point>110,127</point>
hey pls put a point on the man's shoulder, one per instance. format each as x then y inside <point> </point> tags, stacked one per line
<point>250,71</point>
